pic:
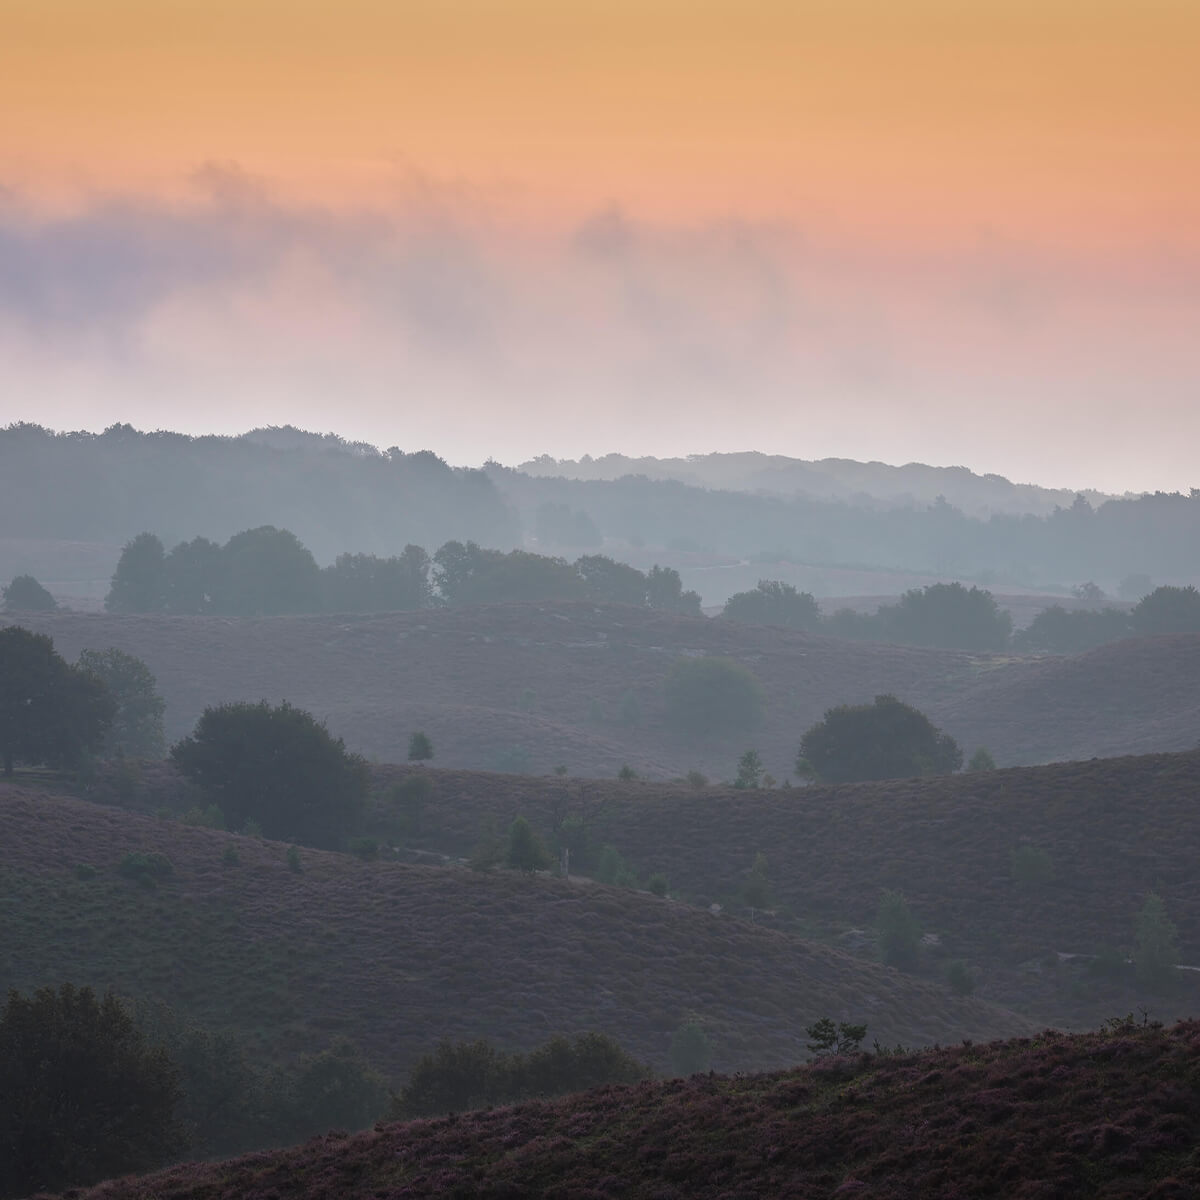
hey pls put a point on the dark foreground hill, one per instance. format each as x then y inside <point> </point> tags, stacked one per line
<point>528,687</point>
<point>396,956</point>
<point>1110,1114</point>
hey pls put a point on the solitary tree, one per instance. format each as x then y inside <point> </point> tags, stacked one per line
<point>750,770</point>
<point>774,603</point>
<point>25,594</point>
<point>525,850</point>
<point>139,583</point>
<point>137,727</point>
<point>713,698</point>
<point>278,766</point>
<point>50,712</point>
<point>883,740</point>
<point>420,748</point>
<point>83,1096</point>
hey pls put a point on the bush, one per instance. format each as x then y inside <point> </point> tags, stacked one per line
<point>612,869</point>
<point>774,603</point>
<point>756,891</point>
<point>525,850</point>
<point>83,1095</point>
<point>279,766</point>
<point>899,931</point>
<point>293,860</point>
<point>366,848</point>
<point>85,871</point>
<point>420,747</point>
<point>713,698</point>
<point>697,780</point>
<point>981,760</point>
<point>148,868</point>
<point>230,857</point>
<point>749,771</point>
<point>627,773</point>
<point>25,594</point>
<point>883,740</point>
<point>657,883</point>
<point>206,818</point>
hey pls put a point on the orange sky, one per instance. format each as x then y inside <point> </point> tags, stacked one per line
<point>1069,119</point>
<point>959,231</point>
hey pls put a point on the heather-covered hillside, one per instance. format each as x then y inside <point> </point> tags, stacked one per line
<point>1110,1114</point>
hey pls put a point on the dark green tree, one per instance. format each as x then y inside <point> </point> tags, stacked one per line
<point>25,594</point>
<point>420,747</point>
<point>713,698</point>
<point>1167,610</point>
<point>267,571</point>
<point>609,582</point>
<point>83,1096</point>
<point>365,583</point>
<point>947,615</point>
<point>137,727</point>
<point>749,770</point>
<point>829,1038</point>
<point>664,591</point>
<point>139,584</point>
<point>883,740</point>
<point>50,712</point>
<point>335,1089</point>
<point>525,850</point>
<point>774,603</point>
<point>278,766</point>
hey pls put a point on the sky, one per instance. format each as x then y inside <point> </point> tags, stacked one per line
<point>963,232</point>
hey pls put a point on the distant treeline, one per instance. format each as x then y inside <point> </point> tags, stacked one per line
<point>268,571</point>
<point>338,495</point>
<point>953,617</point>
<point>335,494</point>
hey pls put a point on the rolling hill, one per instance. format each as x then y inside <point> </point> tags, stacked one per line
<point>533,686</point>
<point>396,956</point>
<point>1109,1114</point>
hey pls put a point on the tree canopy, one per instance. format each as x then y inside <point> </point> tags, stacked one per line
<point>277,766</point>
<point>26,594</point>
<point>713,697</point>
<point>50,712</point>
<point>883,740</point>
<point>774,603</point>
<point>137,726</point>
<point>83,1096</point>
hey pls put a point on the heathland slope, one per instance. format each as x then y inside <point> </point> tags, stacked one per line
<point>396,955</point>
<point>536,685</point>
<point>1109,1114</point>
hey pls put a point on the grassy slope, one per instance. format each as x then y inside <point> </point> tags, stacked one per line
<point>1115,829</point>
<point>396,956</point>
<point>461,675</point>
<point>1103,1115</point>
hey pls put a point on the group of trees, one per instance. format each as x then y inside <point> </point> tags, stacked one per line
<point>56,714</point>
<point>953,617</point>
<point>268,571</point>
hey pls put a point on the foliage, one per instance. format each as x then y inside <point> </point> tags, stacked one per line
<point>829,1038</point>
<point>749,770</point>
<point>950,616</point>
<point>367,583</point>
<point>460,1076</point>
<point>83,1096</point>
<point>25,594</point>
<point>139,583</point>
<point>278,766</point>
<point>1056,631</point>
<point>608,582</point>
<point>1167,610</point>
<point>981,760</point>
<point>147,867</point>
<point>658,885</point>
<point>525,850</point>
<point>713,698</point>
<point>293,860</point>
<point>50,712</point>
<point>691,1050</point>
<point>611,868</point>
<point>335,1089</point>
<point>1155,945</point>
<point>420,747</point>
<point>559,525</point>
<point>514,760</point>
<point>899,931</point>
<point>266,572</point>
<point>883,740</point>
<point>960,977</point>
<point>696,780</point>
<point>664,592</point>
<point>774,603</point>
<point>626,773</point>
<point>137,727</point>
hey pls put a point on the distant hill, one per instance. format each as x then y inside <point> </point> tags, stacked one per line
<point>528,687</point>
<point>911,485</point>
<point>396,956</point>
<point>1103,1115</point>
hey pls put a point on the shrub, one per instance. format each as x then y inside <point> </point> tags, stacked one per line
<point>145,867</point>
<point>691,1051</point>
<point>293,860</point>
<point>697,780</point>
<point>85,871</point>
<point>756,891</point>
<point>407,800</point>
<point>525,850</point>
<point>612,869</point>
<point>749,770</point>
<point>206,818</point>
<point>514,760</point>
<point>366,848</point>
<point>230,857</point>
<point>981,760</point>
<point>899,931</point>
<point>420,748</point>
<point>657,883</point>
<point>627,773</point>
<point>713,698</point>
<point>774,603</point>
